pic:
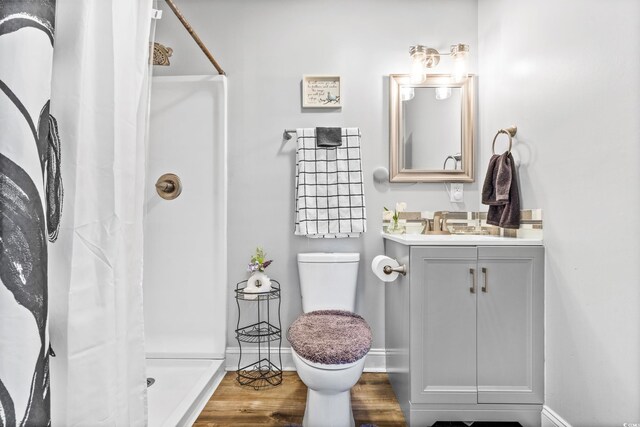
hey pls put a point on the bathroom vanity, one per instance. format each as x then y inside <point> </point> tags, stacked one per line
<point>465,328</point>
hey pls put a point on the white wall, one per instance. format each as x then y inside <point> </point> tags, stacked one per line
<point>184,239</point>
<point>265,48</point>
<point>566,73</point>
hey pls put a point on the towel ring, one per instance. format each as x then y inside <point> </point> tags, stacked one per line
<point>510,131</point>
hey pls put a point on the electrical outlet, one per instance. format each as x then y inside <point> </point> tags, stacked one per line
<point>457,192</point>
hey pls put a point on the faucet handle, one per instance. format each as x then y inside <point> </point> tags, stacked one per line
<point>440,223</point>
<point>437,219</point>
<point>443,227</point>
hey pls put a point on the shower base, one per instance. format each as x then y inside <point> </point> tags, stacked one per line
<point>181,389</point>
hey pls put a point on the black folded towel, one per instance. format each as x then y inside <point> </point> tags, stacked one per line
<point>328,137</point>
<point>500,191</point>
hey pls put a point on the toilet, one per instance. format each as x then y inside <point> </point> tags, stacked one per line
<point>329,341</point>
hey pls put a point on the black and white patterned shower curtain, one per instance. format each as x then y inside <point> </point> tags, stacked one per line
<point>30,207</point>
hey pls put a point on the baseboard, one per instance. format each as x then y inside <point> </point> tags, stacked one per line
<point>554,418</point>
<point>375,361</point>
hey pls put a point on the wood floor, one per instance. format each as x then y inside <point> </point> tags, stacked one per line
<point>372,399</point>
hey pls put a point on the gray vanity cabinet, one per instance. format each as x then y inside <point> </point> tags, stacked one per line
<point>443,325</point>
<point>510,325</point>
<point>475,340</point>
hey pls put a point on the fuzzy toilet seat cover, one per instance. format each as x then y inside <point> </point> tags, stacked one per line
<point>330,337</point>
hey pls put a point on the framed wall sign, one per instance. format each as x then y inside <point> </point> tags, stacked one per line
<point>321,92</point>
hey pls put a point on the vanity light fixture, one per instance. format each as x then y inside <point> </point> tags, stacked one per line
<point>460,55</point>
<point>423,57</point>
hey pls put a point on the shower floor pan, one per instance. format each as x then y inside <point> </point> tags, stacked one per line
<point>181,389</point>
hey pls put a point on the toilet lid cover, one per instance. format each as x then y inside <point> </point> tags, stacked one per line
<point>330,337</point>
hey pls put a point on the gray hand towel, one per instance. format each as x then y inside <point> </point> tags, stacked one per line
<point>500,191</point>
<point>328,137</point>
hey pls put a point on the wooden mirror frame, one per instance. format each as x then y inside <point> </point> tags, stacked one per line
<point>396,132</point>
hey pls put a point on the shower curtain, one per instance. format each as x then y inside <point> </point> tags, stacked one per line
<point>99,96</point>
<point>30,202</point>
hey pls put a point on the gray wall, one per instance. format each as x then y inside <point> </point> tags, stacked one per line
<point>265,48</point>
<point>567,74</point>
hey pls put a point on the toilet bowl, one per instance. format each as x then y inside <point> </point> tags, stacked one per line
<point>329,391</point>
<point>329,342</point>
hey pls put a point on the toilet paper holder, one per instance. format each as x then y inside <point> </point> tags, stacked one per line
<point>387,269</point>
<point>402,269</point>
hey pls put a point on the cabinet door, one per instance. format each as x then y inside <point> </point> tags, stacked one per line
<point>510,324</point>
<point>443,325</point>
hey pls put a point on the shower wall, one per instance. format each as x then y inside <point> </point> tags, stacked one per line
<point>185,260</point>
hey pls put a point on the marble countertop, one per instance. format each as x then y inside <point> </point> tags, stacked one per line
<point>459,240</point>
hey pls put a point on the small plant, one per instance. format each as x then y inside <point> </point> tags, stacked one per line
<point>393,217</point>
<point>400,207</point>
<point>259,261</point>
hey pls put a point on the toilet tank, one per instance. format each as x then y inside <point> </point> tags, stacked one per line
<point>328,280</point>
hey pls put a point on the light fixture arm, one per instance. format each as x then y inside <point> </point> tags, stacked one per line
<point>429,56</point>
<point>429,51</point>
<point>424,57</point>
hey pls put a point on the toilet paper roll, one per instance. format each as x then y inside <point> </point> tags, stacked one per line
<point>378,264</point>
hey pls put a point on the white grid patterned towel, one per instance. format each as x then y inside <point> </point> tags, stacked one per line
<point>329,189</point>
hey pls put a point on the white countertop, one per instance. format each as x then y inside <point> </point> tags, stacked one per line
<point>459,240</point>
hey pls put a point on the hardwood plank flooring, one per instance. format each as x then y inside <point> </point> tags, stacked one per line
<point>372,399</point>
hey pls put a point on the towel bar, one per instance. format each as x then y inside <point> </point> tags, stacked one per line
<point>510,131</point>
<point>287,133</point>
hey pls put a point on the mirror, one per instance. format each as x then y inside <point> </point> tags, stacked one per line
<point>431,132</point>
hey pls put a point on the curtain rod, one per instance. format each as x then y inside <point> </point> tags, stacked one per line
<point>193,33</point>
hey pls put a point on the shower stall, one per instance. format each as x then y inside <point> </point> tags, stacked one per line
<point>185,260</point>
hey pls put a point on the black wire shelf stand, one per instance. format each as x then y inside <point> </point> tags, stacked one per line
<point>265,335</point>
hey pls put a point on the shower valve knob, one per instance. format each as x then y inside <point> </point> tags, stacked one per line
<point>168,186</point>
<point>165,186</point>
